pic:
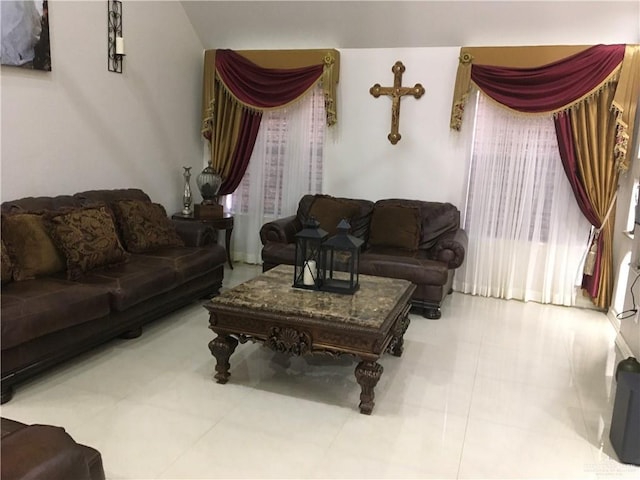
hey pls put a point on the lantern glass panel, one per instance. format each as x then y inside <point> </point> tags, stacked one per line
<point>341,261</point>
<point>308,266</point>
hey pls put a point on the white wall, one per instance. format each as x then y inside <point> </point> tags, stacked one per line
<point>429,162</point>
<point>82,127</point>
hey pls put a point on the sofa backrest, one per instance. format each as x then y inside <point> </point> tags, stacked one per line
<point>39,204</point>
<point>360,211</point>
<point>29,248</point>
<point>111,196</point>
<point>436,218</point>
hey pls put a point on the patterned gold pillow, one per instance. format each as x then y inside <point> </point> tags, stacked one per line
<point>145,226</point>
<point>6,266</point>
<point>88,238</point>
<point>31,248</point>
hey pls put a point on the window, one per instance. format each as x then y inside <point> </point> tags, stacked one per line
<point>527,235</point>
<point>286,163</point>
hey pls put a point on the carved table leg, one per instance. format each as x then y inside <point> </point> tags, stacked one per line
<point>396,344</point>
<point>222,347</point>
<point>367,375</point>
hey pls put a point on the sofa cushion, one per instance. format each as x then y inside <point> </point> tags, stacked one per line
<point>31,248</point>
<point>33,308</point>
<point>330,210</point>
<point>395,226</point>
<point>6,265</point>
<point>413,266</point>
<point>88,239</point>
<point>130,283</point>
<point>145,226</point>
<point>190,262</point>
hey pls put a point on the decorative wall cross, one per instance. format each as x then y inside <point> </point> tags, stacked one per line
<point>395,93</point>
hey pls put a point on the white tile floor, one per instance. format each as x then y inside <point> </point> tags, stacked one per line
<point>494,389</point>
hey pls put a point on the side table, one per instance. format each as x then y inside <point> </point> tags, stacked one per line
<point>223,223</point>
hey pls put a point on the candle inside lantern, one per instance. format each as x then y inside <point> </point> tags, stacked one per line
<point>310,272</point>
<point>119,46</point>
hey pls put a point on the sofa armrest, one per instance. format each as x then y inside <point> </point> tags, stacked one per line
<point>42,451</point>
<point>195,234</point>
<point>282,230</point>
<point>450,248</point>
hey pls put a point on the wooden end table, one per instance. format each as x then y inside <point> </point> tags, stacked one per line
<point>268,310</point>
<point>222,223</point>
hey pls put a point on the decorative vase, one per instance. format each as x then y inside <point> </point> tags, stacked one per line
<point>186,194</point>
<point>209,184</point>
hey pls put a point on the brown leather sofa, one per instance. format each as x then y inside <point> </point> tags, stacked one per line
<point>62,295</point>
<point>45,452</point>
<point>410,239</point>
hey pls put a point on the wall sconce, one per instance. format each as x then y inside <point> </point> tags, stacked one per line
<point>115,40</point>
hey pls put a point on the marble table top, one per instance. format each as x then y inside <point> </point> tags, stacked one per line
<point>272,292</point>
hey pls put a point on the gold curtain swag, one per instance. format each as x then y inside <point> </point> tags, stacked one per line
<point>593,127</point>
<point>283,59</point>
<point>624,102</point>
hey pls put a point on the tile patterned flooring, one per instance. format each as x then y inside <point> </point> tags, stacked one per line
<point>494,389</point>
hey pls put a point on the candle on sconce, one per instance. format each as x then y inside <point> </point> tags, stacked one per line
<point>310,272</point>
<point>119,46</point>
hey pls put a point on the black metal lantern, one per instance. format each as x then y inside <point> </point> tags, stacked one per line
<point>307,270</point>
<point>341,261</point>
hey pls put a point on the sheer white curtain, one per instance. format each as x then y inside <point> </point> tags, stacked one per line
<point>527,236</point>
<point>286,163</point>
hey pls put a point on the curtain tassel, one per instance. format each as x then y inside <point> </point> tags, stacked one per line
<point>590,261</point>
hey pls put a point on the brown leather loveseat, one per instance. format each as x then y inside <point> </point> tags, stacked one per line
<point>45,452</point>
<point>414,240</point>
<point>78,270</point>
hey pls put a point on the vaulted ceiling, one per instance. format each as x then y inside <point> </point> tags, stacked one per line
<point>391,24</point>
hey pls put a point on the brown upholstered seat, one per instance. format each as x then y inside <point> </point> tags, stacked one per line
<point>45,452</point>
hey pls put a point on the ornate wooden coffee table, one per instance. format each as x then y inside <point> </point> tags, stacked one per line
<point>267,309</point>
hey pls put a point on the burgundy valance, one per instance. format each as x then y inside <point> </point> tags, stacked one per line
<point>260,88</point>
<point>239,86</point>
<point>260,80</point>
<point>552,87</point>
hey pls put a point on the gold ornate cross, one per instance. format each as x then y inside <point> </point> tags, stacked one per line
<point>395,93</point>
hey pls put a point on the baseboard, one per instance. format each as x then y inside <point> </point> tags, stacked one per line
<point>621,343</point>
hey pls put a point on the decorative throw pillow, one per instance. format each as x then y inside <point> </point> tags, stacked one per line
<point>33,252</point>
<point>395,226</point>
<point>330,210</point>
<point>6,266</point>
<point>145,226</point>
<point>88,238</point>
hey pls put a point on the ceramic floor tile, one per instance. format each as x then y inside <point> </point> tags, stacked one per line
<point>56,404</point>
<point>554,411</point>
<point>117,374</point>
<point>428,386</point>
<point>234,451</point>
<point>305,420</point>
<point>139,441</point>
<point>493,451</point>
<point>544,369</point>
<point>342,465</point>
<point>192,392</point>
<point>417,438</point>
